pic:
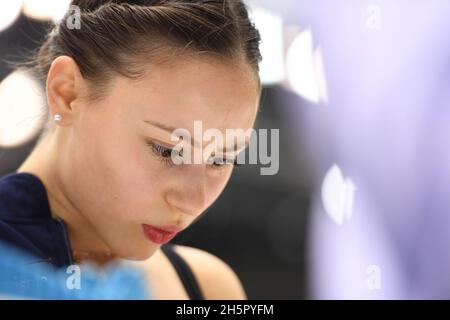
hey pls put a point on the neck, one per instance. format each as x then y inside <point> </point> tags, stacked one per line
<point>86,244</point>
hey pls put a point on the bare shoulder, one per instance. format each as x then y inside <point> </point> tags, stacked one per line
<point>216,278</point>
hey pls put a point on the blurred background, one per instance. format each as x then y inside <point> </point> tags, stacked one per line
<point>360,91</point>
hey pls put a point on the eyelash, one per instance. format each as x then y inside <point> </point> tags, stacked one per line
<point>161,152</point>
<point>164,155</point>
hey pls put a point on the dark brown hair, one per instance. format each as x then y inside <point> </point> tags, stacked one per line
<point>117,37</point>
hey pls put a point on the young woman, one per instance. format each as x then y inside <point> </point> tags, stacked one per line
<point>101,185</point>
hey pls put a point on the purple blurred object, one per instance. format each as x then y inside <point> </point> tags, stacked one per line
<point>386,126</point>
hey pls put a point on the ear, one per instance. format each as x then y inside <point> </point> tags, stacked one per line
<point>64,82</point>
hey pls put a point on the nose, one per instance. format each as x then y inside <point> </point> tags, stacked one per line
<point>189,193</point>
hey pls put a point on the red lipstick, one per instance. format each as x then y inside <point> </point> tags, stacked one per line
<point>160,234</point>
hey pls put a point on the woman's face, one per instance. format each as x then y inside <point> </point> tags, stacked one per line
<point>117,170</point>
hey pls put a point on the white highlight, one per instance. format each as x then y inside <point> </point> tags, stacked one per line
<point>338,195</point>
<point>305,68</point>
<point>9,12</point>
<point>21,109</point>
<point>46,10</point>
<point>270,26</point>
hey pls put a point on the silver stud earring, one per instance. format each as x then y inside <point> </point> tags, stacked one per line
<point>57,118</point>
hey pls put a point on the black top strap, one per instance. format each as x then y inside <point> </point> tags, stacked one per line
<point>185,273</point>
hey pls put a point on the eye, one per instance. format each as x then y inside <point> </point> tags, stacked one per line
<point>219,162</point>
<point>162,153</point>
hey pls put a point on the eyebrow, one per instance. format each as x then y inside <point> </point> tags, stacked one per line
<point>171,129</point>
<point>161,126</point>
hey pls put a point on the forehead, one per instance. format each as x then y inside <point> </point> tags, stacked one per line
<point>182,91</point>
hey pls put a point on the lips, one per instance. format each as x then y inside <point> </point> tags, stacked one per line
<point>160,234</point>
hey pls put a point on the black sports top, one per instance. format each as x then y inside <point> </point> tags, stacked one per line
<point>26,222</point>
<point>184,272</point>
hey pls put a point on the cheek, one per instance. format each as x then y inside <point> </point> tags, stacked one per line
<point>217,185</point>
<point>117,173</point>
<point>135,178</point>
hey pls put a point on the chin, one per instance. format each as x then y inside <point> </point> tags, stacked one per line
<point>141,255</point>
